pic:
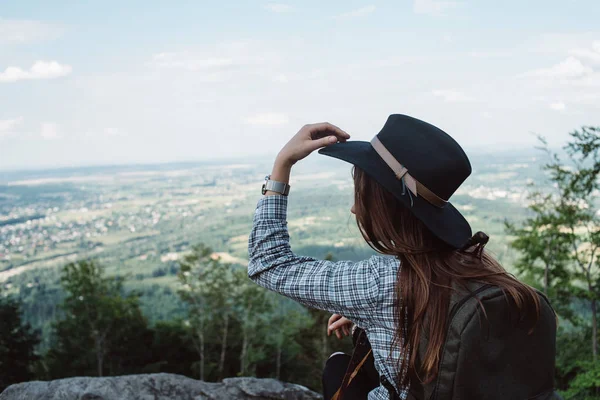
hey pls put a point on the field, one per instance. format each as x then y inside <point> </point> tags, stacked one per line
<point>138,221</point>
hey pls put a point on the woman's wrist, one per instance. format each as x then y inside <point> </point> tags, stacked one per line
<point>280,173</point>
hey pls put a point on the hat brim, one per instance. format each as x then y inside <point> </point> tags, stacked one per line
<point>446,223</point>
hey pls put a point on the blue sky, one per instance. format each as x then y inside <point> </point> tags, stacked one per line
<point>104,82</point>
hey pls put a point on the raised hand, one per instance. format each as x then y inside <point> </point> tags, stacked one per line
<point>308,139</point>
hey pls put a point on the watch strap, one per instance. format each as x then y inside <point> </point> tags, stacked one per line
<point>277,187</point>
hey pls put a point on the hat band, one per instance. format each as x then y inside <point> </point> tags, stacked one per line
<point>401,172</point>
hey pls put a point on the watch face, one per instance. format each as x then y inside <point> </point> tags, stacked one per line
<point>264,188</point>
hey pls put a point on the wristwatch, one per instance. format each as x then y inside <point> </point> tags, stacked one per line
<point>274,186</point>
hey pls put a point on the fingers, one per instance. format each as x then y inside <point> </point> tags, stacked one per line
<point>341,327</point>
<point>315,136</point>
<point>323,142</point>
<point>341,332</point>
<point>319,130</point>
<point>316,144</point>
<point>339,324</point>
<point>332,319</point>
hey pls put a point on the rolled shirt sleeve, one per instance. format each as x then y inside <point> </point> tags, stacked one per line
<point>344,287</point>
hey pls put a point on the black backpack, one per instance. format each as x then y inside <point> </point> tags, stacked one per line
<point>491,356</point>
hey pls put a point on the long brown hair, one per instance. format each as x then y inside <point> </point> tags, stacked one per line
<point>429,269</point>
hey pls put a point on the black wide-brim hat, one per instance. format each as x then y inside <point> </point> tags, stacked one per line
<point>412,154</point>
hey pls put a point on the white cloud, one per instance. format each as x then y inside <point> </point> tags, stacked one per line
<point>281,78</point>
<point>433,7</point>
<point>586,54</point>
<point>25,31</point>
<point>49,130</point>
<point>569,68</point>
<point>7,126</point>
<point>558,106</point>
<point>559,43</point>
<point>490,54</point>
<point>396,61</point>
<point>360,12</point>
<point>111,132</point>
<point>102,133</point>
<point>267,119</point>
<point>589,81</point>
<point>279,7</point>
<point>592,55</point>
<point>191,62</point>
<point>452,96</point>
<point>39,70</point>
<point>208,68</point>
<point>221,62</point>
<point>220,57</point>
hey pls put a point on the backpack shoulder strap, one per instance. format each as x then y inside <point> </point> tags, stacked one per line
<point>460,315</point>
<point>459,297</point>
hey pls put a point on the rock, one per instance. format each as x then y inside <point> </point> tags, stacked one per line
<point>157,387</point>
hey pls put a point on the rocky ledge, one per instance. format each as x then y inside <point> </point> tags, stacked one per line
<point>157,387</point>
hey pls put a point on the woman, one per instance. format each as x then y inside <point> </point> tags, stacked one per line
<point>403,179</point>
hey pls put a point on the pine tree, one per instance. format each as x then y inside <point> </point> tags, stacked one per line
<point>17,345</point>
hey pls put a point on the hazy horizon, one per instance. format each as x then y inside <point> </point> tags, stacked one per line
<point>253,158</point>
<point>476,156</point>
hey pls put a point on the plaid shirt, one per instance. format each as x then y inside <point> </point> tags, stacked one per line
<point>363,292</point>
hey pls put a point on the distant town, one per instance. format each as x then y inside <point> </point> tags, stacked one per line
<point>44,221</point>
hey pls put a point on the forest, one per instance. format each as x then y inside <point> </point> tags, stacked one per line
<point>215,323</point>
<point>232,327</point>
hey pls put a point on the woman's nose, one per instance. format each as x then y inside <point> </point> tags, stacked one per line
<point>352,210</point>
